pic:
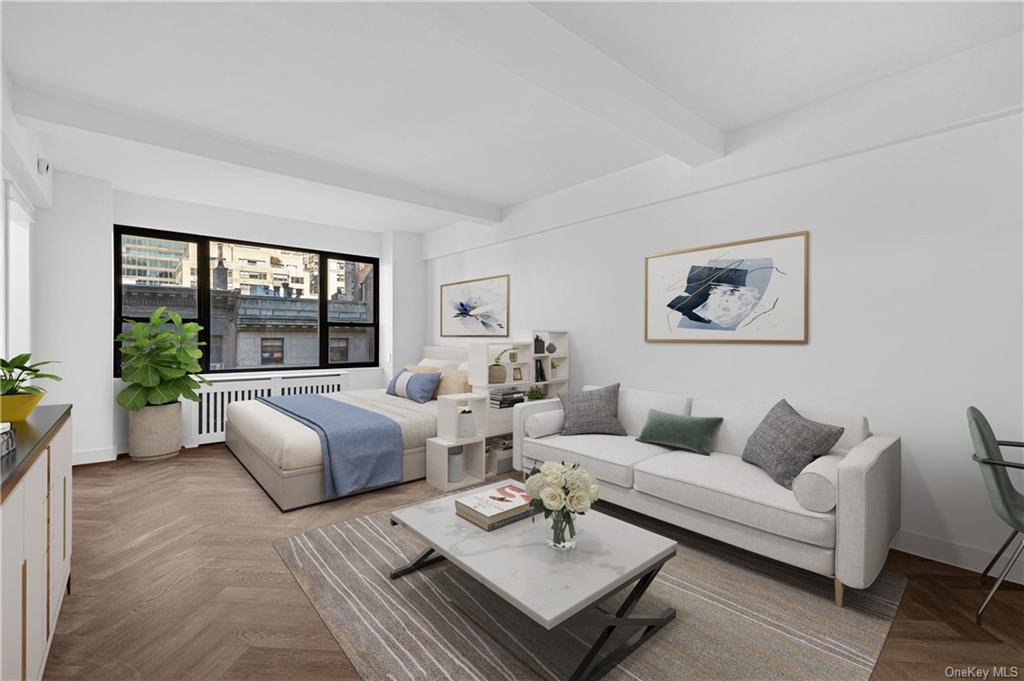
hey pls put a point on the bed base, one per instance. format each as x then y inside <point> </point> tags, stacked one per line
<point>290,490</point>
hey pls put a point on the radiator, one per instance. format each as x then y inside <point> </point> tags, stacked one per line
<point>203,421</point>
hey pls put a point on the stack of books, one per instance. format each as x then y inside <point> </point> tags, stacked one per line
<point>6,438</point>
<point>496,506</point>
<point>503,398</point>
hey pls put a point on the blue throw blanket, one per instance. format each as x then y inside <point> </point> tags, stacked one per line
<point>361,448</point>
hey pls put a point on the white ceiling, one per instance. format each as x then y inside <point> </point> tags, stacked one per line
<point>738,63</point>
<point>378,89</point>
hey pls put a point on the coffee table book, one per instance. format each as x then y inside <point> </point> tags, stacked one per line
<point>494,506</point>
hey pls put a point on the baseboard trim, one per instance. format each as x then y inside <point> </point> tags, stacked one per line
<point>967,557</point>
<point>82,457</point>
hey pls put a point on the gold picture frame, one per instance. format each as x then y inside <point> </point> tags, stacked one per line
<point>670,272</point>
<point>475,308</point>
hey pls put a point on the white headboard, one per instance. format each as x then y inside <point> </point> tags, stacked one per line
<point>457,353</point>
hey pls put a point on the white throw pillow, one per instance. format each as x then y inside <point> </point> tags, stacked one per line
<point>544,423</point>
<point>439,363</point>
<point>817,484</point>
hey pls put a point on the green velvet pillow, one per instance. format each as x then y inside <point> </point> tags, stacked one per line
<point>692,433</point>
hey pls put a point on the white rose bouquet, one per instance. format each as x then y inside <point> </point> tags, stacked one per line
<point>561,491</point>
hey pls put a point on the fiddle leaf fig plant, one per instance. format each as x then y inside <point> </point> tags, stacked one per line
<point>16,371</point>
<point>160,361</point>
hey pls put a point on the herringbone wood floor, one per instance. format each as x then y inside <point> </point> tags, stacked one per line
<point>174,577</point>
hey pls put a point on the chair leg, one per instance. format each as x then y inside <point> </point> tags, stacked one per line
<point>999,582</point>
<point>838,592</point>
<point>996,557</point>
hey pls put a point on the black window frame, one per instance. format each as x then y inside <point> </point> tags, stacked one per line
<point>203,289</point>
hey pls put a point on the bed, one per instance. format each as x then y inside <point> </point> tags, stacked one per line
<point>285,456</point>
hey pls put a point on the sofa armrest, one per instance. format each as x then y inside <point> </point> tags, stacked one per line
<point>867,509</point>
<point>519,415</point>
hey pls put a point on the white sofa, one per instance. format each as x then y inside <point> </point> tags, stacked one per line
<point>725,498</point>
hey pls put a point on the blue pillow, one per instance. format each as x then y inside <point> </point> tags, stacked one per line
<point>417,387</point>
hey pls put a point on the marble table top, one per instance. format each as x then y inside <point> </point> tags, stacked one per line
<point>517,564</point>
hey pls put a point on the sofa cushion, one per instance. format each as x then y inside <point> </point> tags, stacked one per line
<point>692,433</point>
<point>544,423</point>
<point>817,486</point>
<point>591,411</point>
<point>740,419</point>
<point>785,442</point>
<point>635,405</point>
<point>726,486</point>
<point>607,457</point>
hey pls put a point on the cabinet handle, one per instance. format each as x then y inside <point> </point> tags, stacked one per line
<point>64,513</point>
<point>24,619</point>
<point>47,558</point>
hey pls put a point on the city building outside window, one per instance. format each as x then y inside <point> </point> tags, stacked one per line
<point>253,300</point>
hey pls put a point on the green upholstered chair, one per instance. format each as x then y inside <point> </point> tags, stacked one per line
<point>1007,502</point>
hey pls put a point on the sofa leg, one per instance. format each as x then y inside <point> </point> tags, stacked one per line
<point>838,592</point>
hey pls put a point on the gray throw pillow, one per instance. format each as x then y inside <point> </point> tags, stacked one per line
<point>785,442</point>
<point>592,411</point>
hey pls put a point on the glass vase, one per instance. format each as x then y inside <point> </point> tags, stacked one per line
<point>562,531</point>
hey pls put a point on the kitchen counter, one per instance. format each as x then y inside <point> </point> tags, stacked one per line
<point>31,437</point>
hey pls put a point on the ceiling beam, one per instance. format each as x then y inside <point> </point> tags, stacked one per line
<point>39,109</point>
<point>529,43</point>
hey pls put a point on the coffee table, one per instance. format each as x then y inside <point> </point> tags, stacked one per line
<point>551,586</point>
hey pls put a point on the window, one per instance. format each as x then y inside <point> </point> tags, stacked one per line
<point>351,310</point>
<point>338,350</point>
<point>253,300</point>
<point>271,351</point>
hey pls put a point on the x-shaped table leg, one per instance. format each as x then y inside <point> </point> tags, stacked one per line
<point>594,665</point>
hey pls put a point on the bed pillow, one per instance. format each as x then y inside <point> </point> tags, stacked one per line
<point>453,381</point>
<point>785,442</point>
<point>692,433</point>
<point>418,387</point>
<point>440,363</point>
<point>592,411</point>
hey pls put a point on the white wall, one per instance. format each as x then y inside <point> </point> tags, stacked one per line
<point>73,320</point>
<point>72,274</point>
<point>915,305</point>
<point>22,149</point>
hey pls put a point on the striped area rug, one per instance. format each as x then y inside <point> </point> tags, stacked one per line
<point>738,616</point>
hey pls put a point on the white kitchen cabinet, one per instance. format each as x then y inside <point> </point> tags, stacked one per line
<point>35,547</point>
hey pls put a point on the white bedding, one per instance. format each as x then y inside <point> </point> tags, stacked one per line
<point>290,445</point>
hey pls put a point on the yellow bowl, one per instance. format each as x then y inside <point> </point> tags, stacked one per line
<point>18,407</point>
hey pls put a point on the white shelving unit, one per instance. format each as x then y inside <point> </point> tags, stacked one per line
<point>438,448</point>
<point>554,369</point>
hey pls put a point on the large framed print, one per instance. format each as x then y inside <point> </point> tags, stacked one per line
<point>753,291</point>
<point>475,307</point>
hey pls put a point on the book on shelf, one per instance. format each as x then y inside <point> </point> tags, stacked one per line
<point>538,371</point>
<point>6,440</point>
<point>508,403</point>
<point>494,506</point>
<point>504,398</point>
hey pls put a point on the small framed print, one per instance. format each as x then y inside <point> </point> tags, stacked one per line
<point>517,373</point>
<point>475,307</point>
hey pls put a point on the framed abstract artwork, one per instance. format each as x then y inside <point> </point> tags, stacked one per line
<point>753,291</point>
<point>475,307</point>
